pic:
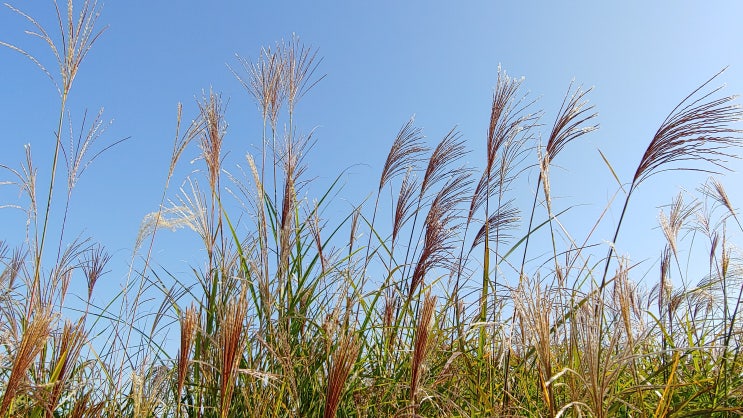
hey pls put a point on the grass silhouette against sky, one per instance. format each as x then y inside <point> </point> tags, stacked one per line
<point>385,62</point>
<point>287,310</point>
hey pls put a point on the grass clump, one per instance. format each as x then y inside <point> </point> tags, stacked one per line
<point>444,309</point>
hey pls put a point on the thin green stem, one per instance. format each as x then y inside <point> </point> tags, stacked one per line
<point>36,286</point>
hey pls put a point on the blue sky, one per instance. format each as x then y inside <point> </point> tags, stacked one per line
<point>385,61</point>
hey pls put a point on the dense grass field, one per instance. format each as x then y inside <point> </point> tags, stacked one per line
<point>447,300</point>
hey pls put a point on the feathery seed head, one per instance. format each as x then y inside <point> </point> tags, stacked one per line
<point>698,129</point>
<point>569,125</point>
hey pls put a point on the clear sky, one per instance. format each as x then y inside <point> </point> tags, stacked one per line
<point>385,61</point>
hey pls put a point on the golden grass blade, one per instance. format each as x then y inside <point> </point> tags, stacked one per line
<point>68,349</point>
<point>33,340</point>
<point>211,111</point>
<point>343,360</point>
<point>420,349</point>
<point>189,323</point>
<point>231,332</point>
